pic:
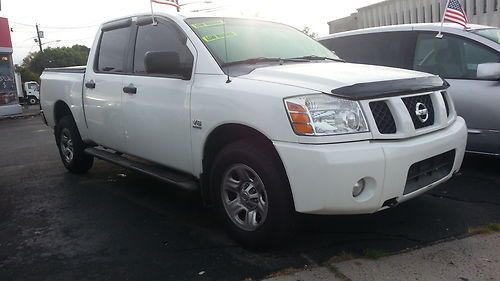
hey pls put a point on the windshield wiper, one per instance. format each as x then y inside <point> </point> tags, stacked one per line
<point>264,59</point>
<point>314,57</point>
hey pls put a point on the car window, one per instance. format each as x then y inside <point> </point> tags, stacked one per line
<point>451,56</point>
<point>492,34</point>
<point>386,48</point>
<point>231,40</point>
<point>112,50</point>
<point>161,37</point>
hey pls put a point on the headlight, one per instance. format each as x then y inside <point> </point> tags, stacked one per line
<point>323,115</point>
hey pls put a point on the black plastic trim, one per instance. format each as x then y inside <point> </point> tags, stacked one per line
<point>121,23</point>
<point>66,69</point>
<point>384,89</point>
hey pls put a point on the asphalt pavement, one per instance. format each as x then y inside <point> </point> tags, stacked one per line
<point>114,224</point>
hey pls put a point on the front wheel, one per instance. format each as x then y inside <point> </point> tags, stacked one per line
<point>252,196</point>
<point>71,147</point>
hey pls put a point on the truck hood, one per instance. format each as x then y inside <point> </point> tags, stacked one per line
<point>348,80</point>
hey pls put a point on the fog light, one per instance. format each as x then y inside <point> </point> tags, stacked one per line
<point>358,188</point>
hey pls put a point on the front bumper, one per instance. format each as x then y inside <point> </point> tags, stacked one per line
<point>322,176</point>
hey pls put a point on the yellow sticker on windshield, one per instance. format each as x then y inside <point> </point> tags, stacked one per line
<point>215,37</point>
<point>207,24</point>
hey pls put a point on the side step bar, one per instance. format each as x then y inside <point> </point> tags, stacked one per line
<point>153,170</point>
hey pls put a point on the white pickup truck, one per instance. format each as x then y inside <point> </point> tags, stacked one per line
<point>264,121</point>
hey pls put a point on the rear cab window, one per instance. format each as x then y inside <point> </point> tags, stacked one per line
<point>113,50</point>
<point>393,49</point>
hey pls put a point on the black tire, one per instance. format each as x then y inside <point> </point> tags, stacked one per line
<point>281,221</point>
<point>32,100</point>
<point>79,162</point>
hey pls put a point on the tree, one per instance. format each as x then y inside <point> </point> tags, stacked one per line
<point>34,63</point>
<point>307,31</point>
<point>26,74</point>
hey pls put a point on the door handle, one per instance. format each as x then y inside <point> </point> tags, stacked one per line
<point>90,84</point>
<point>130,89</point>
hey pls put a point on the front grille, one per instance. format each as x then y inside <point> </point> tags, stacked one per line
<point>383,117</point>
<point>430,170</point>
<point>443,94</point>
<point>411,105</point>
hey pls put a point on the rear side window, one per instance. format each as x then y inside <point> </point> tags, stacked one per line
<point>111,57</point>
<point>393,49</point>
<point>162,37</point>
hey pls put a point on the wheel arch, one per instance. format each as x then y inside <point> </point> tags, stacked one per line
<point>61,109</point>
<point>226,134</point>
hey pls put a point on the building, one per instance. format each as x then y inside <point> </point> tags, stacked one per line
<point>8,95</point>
<point>390,12</point>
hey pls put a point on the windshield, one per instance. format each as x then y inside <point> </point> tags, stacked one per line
<point>252,39</point>
<point>491,33</point>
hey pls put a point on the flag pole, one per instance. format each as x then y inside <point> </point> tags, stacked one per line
<point>152,13</point>
<point>440,34</point>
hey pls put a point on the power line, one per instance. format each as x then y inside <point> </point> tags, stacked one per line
<point>20,23</point>
<point>54,27</point>
<point>69,27</point>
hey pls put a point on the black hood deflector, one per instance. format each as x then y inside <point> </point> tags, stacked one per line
<point>383,89</point>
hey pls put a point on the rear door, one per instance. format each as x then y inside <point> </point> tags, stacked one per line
<point>103,86</point>
<point>157,119</point>
<point>456,59</point>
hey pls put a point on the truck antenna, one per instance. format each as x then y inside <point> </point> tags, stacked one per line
<point>153,21</point>
<point>225,48</point>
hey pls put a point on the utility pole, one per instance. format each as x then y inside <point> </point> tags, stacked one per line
<point>39,40</point>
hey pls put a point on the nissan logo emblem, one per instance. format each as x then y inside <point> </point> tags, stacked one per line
<point>422,112</point>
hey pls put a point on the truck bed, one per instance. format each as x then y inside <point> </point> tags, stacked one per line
<point>63,84</point>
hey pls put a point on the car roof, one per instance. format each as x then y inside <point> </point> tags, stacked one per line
<point>408,27</point>
<point>183,16</point>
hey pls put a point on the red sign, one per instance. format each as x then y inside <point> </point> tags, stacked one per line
<point>5,41</point>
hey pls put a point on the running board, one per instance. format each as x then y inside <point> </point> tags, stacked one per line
<point>169,176</point>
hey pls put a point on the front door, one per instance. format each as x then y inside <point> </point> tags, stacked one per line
<point>157,110</point>
<point>456,59</point>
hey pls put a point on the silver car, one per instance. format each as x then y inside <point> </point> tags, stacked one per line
<point>468,59</point>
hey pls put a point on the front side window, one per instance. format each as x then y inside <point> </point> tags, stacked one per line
<point>452,56</point>
<point>251,39</point>
<point>111,56</point>
<point>492,34</point>
<point>160,38</point>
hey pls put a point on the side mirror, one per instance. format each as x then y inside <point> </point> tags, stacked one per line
<point>167,63</point>
<point>488,71</point>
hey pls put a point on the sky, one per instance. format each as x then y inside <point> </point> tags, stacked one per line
<point>69,22</point>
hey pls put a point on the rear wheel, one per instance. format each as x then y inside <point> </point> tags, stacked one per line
<point>32,100</point>
<point>252,196</point>
<point>71,146</point>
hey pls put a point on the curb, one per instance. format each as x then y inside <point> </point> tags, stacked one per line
<point>19,116</point>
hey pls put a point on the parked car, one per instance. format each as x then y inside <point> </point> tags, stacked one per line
<point>468,59</point>
<point>261,119</point>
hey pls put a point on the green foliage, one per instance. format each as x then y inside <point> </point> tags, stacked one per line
<point>374,253</point>
<point>34,63</point>
<point>26,74</point>
<point>307,31</point>
<point>487,229</point>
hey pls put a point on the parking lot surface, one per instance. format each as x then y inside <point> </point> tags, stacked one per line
<point>114,224</point>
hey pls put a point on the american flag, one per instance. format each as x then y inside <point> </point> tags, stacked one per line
<point>174,3</point>
<point>455,13</point>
